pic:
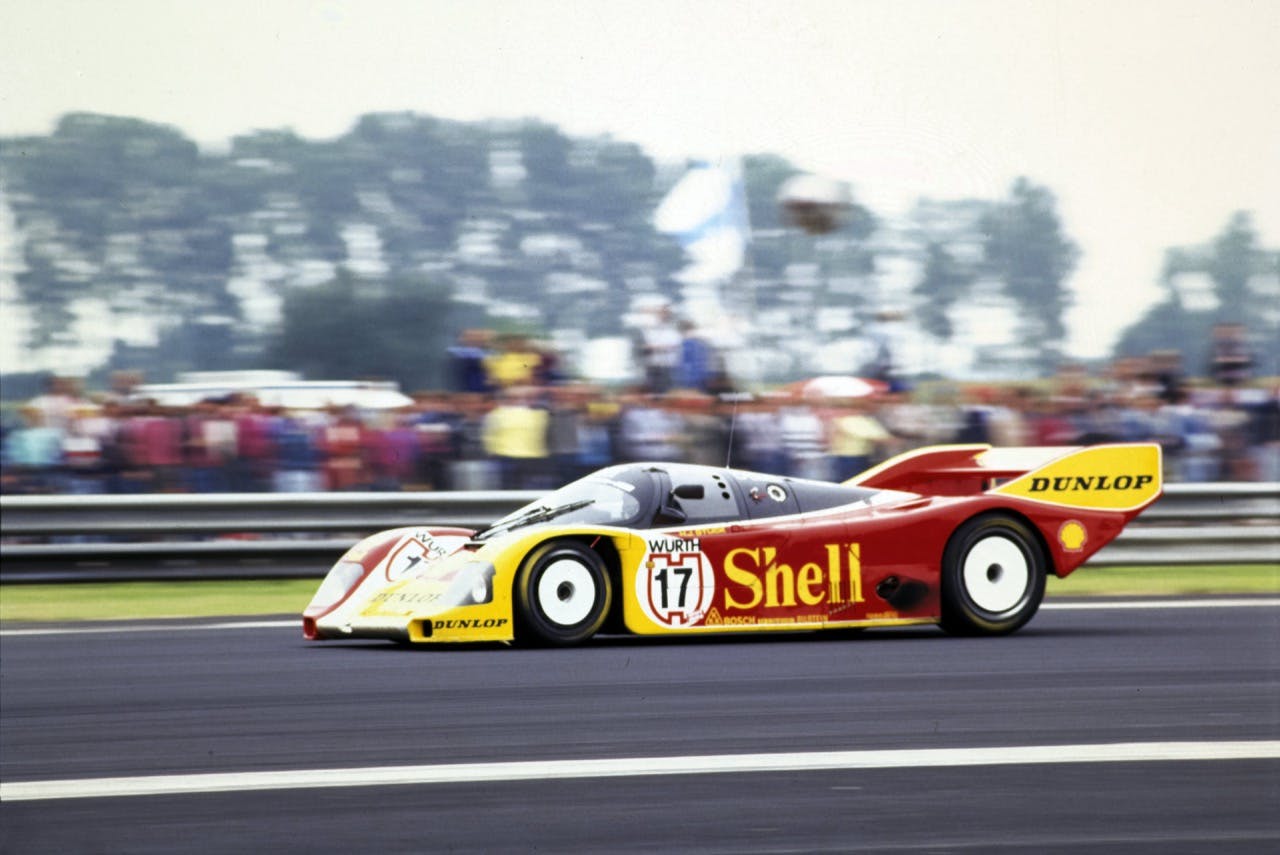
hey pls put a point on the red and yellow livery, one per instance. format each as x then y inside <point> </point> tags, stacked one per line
<point>963,536</point>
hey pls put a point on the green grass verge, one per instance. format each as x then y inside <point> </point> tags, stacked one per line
<point>1192,580</point>
<point>153,600</point>
<point>134,600</point>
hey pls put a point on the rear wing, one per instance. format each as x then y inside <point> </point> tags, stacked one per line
<point>1101,477</point>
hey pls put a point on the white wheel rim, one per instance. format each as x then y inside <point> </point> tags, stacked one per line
<point>566,592</point>
<point>996,574</point>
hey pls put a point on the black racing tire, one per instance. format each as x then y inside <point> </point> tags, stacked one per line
<point>993,576</point>
<point>563,594</point>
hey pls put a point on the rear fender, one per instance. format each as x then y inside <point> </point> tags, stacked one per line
<point>1083,500</point>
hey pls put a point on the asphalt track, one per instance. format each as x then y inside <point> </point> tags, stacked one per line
<point>935,744</point>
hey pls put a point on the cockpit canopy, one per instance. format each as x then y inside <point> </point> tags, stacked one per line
<point>657,495</point>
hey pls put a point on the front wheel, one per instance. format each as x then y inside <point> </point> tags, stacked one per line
<point>562,594</point>
<point>993,576</point>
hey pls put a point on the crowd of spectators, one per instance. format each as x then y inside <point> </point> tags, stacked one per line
<point>514,422</point>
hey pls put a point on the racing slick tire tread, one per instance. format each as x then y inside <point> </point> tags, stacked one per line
<point>563,594</point>
<point>993,576</point>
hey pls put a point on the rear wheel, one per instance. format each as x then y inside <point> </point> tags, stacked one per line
<point>562,594</point>
<point>993,576</point>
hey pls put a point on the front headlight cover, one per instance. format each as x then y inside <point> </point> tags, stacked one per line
<point>340,581</point>
<point>472,584</point>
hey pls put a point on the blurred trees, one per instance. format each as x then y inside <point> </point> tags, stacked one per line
<point>351,328</point>
<point>104,204</point>
<point>804,279</point>
<point>1232,260</point>
<point>1028,251</point>
<point>943,282</point>
<point>763,176</point>
<point>518,220</point>
<point>349,256</point>
<point>1230,279</point>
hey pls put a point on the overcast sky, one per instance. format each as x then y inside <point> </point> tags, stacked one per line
<point>1151,121</point>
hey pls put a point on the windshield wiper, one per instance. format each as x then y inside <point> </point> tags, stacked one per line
<point>542,513</point>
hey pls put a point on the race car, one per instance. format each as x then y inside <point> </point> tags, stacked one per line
<point>962,536</point>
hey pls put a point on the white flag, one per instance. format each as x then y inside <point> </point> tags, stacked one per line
<point>707,213</point>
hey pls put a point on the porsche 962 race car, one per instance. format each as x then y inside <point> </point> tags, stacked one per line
<point>963,536</point>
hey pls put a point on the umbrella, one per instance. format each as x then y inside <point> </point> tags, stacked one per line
<point>839,386</point>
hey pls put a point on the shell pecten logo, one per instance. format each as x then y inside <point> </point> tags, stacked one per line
<point>1104,477</point>
<point>1072,535</point>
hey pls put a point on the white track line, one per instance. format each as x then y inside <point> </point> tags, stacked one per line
<point>542,770</point>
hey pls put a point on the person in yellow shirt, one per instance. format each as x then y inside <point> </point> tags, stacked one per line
<point>855,437</point>
<point>515,435</point>
<point>515,364</point>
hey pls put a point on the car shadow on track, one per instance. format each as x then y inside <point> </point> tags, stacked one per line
<point>875,635</point>
<point>604,641</point>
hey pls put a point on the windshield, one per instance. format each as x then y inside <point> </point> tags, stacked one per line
<point>610,497</point>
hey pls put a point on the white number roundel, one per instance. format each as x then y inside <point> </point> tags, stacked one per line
<point>675,589</point>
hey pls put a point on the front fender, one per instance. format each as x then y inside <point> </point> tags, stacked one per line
<point>368,568</point>
<point>495,620</point>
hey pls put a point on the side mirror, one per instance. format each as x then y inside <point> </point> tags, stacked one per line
<point>671,512</point>
<point>670,515</point>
